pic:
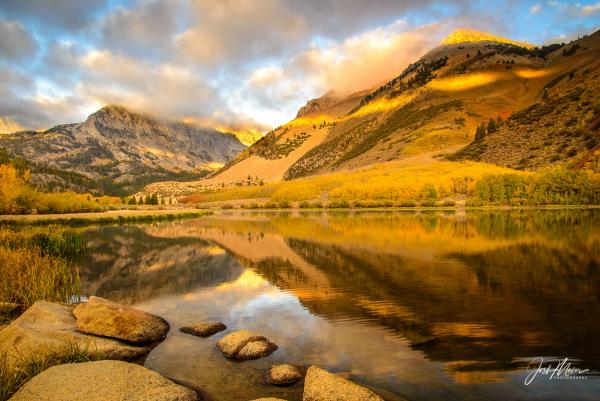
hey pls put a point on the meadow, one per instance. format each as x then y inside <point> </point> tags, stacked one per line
<point>437,183</point>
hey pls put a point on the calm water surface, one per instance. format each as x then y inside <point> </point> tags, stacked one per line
<point>422,306</point>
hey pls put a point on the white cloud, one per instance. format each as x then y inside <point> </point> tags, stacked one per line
<point>590,9</point>
<point>535,9</point>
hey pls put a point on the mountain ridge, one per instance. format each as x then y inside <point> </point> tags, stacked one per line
<point>124,148</point>
<point>428,112</point>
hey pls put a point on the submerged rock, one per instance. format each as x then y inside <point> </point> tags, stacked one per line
<point>320,385</point>
<point>245,344</point>
<point>102,317</point>
<point>102,381</point>
<point>48,328</point>
<point>284,374</point>
<point>204,329</point>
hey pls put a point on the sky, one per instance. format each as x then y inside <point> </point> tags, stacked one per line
<point>234,63</point>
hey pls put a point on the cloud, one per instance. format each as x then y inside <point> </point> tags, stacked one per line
<point>368,59</point>
<point>21,105</point>
<point>237,30</point>
<point>145,30</point>
<point>61,14</point>
<point>230,62</point>
<point>535,9</point>
<point>590,9</point>
<point>15,42</point>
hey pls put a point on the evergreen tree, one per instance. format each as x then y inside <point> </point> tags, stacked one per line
<point>480,132</point>
<point>154,199</point>
<point>131,201</point>
<point>491,128</point>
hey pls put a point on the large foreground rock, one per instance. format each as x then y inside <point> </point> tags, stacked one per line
<point>284,374</point>
<point>48,328</point>
<point>203,329</point>
<point>320,385</point>
<point>102,381</point>
<point>245,344</point>
<point>102,317</point>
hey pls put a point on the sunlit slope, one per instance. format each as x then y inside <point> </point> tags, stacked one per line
<point>436,104</point>
<point>471,35</point>
<point>430,110</point>
<point>561,127</point>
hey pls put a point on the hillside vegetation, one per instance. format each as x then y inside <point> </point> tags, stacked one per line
<point>18,197</point>
<point>541,101</point>
<point>402,184</point>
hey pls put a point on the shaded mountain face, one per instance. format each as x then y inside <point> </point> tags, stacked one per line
<point>432,110</point>
<point>123,150</point>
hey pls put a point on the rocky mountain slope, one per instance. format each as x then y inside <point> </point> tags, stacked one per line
<point>121,151</point>
<point>432,110</point>
<point>561,127</point>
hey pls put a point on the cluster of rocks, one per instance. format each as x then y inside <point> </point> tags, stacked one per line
<point>119,333</point>
<point>103,330</point>
<point>320,385</point>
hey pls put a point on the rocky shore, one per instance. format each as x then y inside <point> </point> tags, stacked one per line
<point>117,338</point>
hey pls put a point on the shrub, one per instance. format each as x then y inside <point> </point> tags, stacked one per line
<point>343,204</point>
<point>270,205</point>
<point>304,204</point>
<point>427,203</point>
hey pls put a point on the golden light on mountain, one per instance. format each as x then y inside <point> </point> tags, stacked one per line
<point>471,35</point>
<point>464,82</point>
<point>530,73</point>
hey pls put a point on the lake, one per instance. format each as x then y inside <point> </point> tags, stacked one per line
<point>416,305</point>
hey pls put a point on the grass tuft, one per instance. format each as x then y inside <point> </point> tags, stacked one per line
<point>37,264</point>
<point>15,375</point>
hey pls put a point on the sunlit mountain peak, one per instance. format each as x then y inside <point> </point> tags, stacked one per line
<point>464,35</point>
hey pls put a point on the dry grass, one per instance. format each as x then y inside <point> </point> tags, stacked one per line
<point>12,379</point>
<point>36,264</point>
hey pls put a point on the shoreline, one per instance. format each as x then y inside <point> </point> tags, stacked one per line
<point>180,212</point>
<point>108,217</point>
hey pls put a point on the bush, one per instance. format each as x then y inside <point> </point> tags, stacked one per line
<point>304,205</point>
<point>407,203</point>
<point>427,203</point>
<point>338,204</point>
<point>558,187</point>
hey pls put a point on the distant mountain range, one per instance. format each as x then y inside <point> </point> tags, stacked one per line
<point>117,151</point>
<point>544,103</point>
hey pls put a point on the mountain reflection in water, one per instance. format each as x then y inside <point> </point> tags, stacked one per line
<point>421,305</point>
